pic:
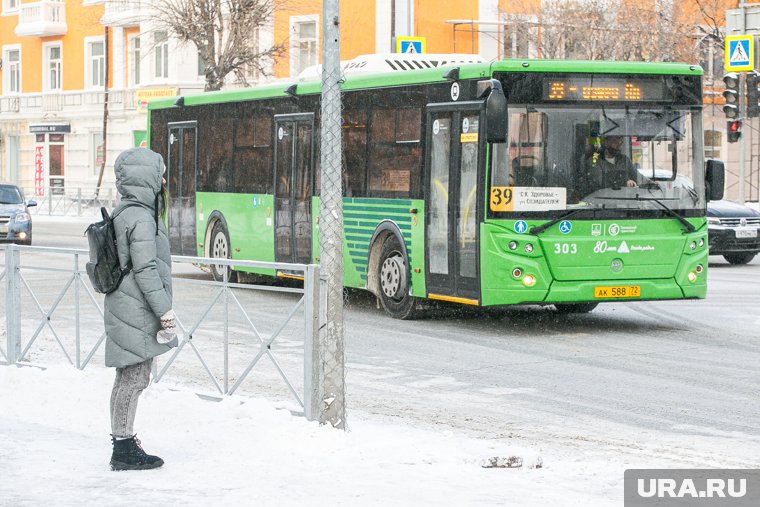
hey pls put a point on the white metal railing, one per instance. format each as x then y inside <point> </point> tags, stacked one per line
<point>72,101</point>
<point>47,289</point>
<point>70,201</point>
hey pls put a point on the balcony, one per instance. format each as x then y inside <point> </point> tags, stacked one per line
<point>122,13</point>
<point>41,19</point>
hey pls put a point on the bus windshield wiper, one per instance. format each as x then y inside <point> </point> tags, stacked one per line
<point>541,228</point>
<point>686,224</point>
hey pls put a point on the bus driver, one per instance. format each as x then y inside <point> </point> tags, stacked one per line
<point>610,168</point>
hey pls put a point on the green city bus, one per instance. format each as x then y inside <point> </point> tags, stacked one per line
<point>473,183</point>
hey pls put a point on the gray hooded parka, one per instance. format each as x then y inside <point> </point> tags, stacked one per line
<point>133,311</point>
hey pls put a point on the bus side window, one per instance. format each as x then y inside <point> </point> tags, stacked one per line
<point>218,147</point>
<point>395,153</point>
<point>252,164</point>
<point>499,165</point>
<point>355,152</point>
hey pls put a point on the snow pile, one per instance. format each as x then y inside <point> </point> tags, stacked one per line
<point>55,447</point>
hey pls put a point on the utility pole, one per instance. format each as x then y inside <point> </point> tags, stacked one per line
<point>105,112</point>
<point>332,388</point>
<point>743,109</point>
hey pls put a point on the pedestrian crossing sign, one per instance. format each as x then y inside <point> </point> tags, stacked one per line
<point>410,45</point>
<point>740,53</point>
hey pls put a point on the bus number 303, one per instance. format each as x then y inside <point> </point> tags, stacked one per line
<point>565,248</point>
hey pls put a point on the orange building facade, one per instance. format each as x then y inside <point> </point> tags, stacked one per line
<point>53,88</point>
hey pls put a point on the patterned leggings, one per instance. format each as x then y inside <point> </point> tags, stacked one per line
<point>130,382</point>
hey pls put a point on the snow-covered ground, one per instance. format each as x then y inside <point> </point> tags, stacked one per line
<point>644,385</point>
<point>55,447</point>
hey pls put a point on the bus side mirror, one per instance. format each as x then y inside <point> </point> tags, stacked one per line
<point>715,180</point>
<point>496,110</point>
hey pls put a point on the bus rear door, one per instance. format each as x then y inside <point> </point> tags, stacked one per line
<point>293,183</point>
<point>181,170</point>
<point>453,172</point>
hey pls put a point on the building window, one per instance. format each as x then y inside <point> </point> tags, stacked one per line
<point>713,143</point>
<point>53,67</point>
<point>95,51</point>
<point>133,61</point>
<point>12,59</point>
<point>520,36</point>
<point>10,6</point>
<point>304,43</point>
<point>710,58</point>
<point>96,151</point>
<point>252,73</point>
<point>201,65</point>
<point>161,53</point>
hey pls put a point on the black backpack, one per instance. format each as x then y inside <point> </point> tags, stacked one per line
<point>104,269</point>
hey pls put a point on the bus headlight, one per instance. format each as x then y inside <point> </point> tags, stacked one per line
<point>529,280</point>
<point>692,276</point>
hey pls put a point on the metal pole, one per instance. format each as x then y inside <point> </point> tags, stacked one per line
<point>79,201</point>
<point>13,304</point>
<point>332,406</point>
<point>227,272</point>
<point>77,281</point>
<point>311,365</point>
<point>742,110</point>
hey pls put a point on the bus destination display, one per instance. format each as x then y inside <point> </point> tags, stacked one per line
<point>586,88</point>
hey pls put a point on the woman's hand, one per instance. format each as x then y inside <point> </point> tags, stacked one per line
<point>168,330</point>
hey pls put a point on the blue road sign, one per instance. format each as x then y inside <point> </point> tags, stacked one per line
<point>565,227</point>
<point>740,54</point>
<point>521,226</point>
<point>411,45</point>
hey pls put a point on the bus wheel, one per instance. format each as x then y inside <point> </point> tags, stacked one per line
<point>575,307</point>
<point>220,249</point>
<point>393,274</point>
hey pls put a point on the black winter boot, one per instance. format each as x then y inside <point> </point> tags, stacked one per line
<point>128,455</point>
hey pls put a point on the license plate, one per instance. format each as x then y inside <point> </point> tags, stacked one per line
<point>618,291</point>
<point>3,229</point>
<point>746,233</point>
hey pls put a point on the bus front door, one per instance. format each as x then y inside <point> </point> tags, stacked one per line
<point>454,154</point>
<point>293,183</point>
<point>181,170</point>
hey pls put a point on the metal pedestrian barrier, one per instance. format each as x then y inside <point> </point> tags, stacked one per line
<point>226,329</point>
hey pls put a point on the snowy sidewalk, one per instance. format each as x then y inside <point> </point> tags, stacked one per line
<point>55,447</point>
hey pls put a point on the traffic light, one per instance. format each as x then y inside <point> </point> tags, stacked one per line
<point>734,130</point>
<point>731,94</point>
<point>753,94</point>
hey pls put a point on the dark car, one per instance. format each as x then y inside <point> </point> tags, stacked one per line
<point>15,220</point>
<point>733,231</point>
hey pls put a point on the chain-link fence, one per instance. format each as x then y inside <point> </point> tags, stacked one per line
<point>331,353</point>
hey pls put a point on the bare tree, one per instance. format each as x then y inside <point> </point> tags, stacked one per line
<point>609,30</point>
<point>225,33</point>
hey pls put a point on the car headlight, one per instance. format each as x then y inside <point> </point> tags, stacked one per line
<point>713,221</point>
<point>23,217</point>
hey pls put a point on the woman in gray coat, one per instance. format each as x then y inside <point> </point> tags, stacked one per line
<point>139,320</point>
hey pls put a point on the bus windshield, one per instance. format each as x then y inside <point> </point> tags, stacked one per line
<point>561,157</point>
